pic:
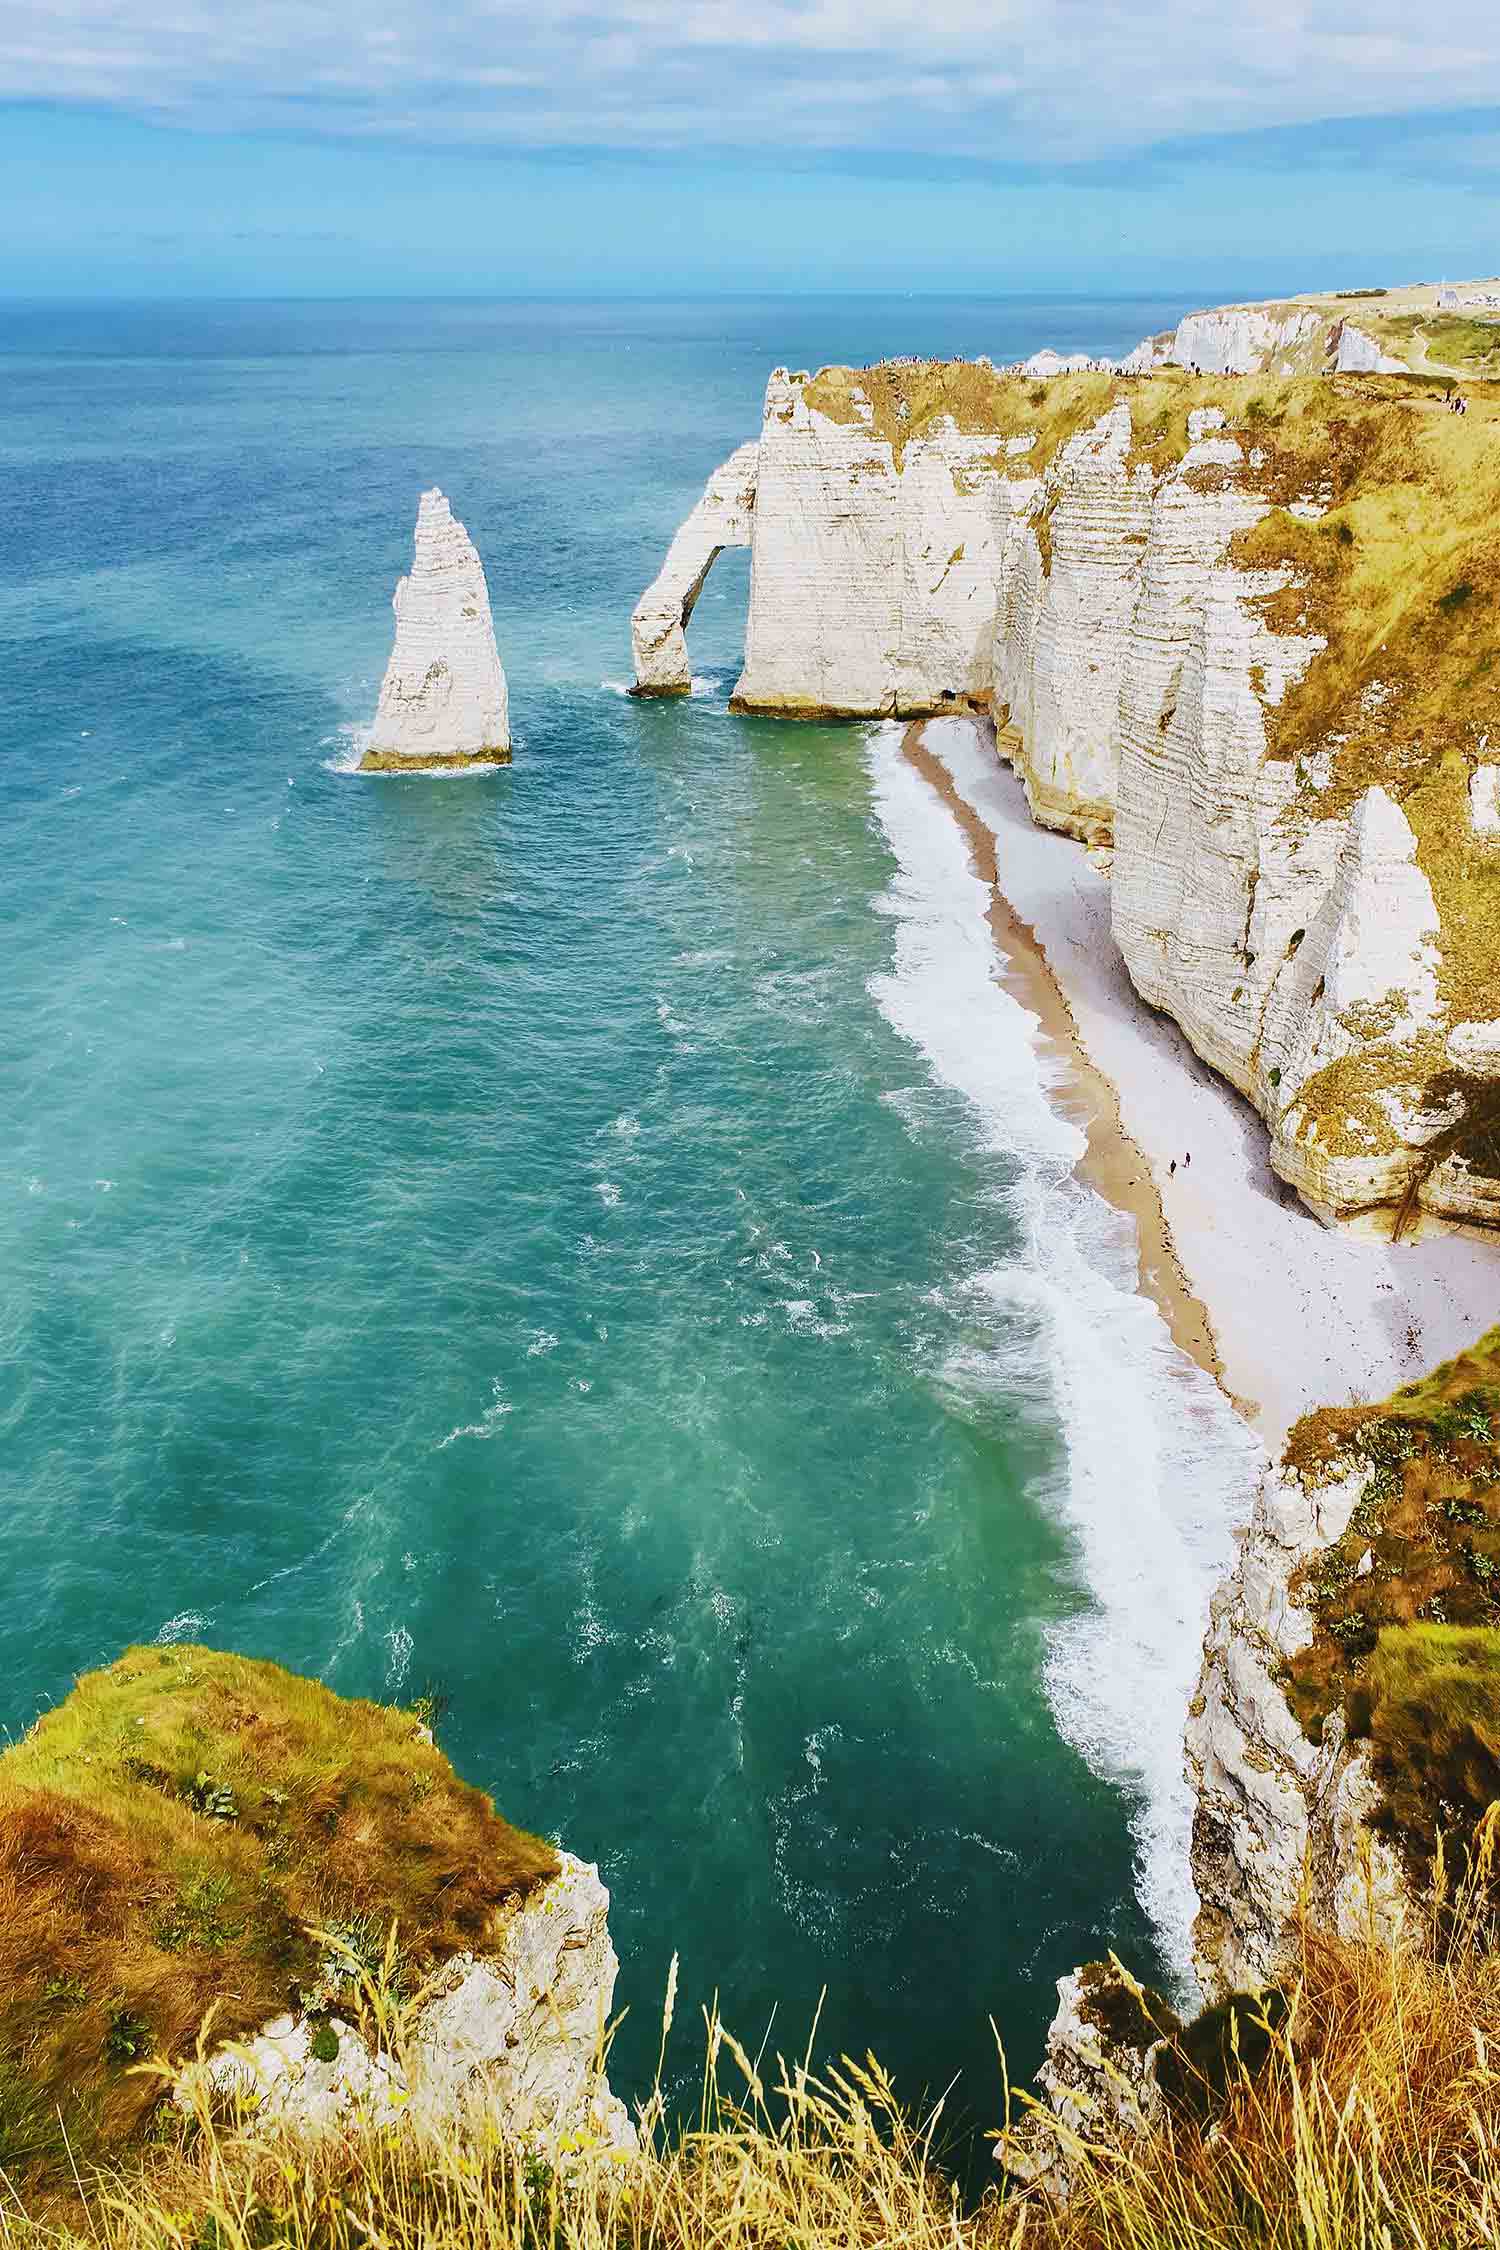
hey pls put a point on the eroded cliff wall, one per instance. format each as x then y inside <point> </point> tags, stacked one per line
<point>879,541</point>
<point>724,517</point>
<point>1243,630</point>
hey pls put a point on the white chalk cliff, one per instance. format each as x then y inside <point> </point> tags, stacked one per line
<point>443,700</point>
<point>1133,673</point>
<point>1279,1819</point>
<point>1091,597</point>
<point>658,628</point>
<point>1262,340</point>
<point>873,565</point>
<point>514,2038</point>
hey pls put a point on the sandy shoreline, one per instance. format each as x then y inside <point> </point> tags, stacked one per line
<point>1285,1313</point>
<point>1111,1162</point>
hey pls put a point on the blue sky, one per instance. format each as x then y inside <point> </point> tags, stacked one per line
<point>636,146</point>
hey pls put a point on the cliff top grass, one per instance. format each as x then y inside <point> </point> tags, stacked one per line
<point>1409,1648</point>
<point>1400,577</point>
<point>901,399</point>
<point>1465,340</point>
<point>171,1838</point>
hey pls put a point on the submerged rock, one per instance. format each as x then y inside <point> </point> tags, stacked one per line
<point>443,700</point>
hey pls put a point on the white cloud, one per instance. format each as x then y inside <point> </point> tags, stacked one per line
<point>1018,80</point>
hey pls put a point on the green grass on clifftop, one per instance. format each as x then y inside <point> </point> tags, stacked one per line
<point>1429,1708</point>
<point>1409,1648</point>
<point>170,1837</point>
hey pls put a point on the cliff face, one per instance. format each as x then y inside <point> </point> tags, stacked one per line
<point>1279,1817</point>
<point>1345,1714</point>
<point>1270,890</point>
<point>878,547</point>
<point>1067,598</point>
<point>1283,340</point>
<point>443,700</point>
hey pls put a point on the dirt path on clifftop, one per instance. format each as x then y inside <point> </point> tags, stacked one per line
<point>1112,1164</point>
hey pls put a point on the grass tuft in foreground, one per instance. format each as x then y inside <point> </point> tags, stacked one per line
<point>1361,2112</point>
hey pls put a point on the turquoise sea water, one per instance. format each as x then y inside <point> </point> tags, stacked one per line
<point>543,1234</point>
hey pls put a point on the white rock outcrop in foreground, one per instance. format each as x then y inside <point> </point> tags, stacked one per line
<point>724,517</point>
<point>1279,1818</point>
<point>516,2037</point>
<point>443,700</point>
<point>1098,2080</point>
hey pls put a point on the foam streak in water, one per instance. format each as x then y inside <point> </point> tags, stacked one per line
<point>1156,1464</point>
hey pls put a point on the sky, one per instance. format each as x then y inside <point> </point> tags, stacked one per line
<point>350,147</point>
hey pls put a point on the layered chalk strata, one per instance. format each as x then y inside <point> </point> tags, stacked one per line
<point>443,700</point>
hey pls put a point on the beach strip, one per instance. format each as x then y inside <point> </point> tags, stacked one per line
<point>1287,1313</point>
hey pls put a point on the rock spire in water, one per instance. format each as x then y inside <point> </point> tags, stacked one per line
<point>443,700</point>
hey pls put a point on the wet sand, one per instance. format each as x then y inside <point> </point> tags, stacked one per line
<point>1111,1163</point>
<point>1286,1313</point>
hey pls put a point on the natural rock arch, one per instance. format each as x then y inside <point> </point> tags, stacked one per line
<point>724,517</point>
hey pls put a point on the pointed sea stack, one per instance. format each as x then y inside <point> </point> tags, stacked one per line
<point>443,701</point>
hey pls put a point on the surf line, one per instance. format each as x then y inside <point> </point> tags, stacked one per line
<point>1111,1164</point>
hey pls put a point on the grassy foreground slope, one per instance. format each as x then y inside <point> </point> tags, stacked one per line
<point>1374,2124</point>
<point>172,1836</point>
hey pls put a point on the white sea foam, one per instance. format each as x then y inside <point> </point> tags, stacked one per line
<point>398,1663</point>
<point>353,741</point>
<point>182,1627</point>
<point>1157,1466</point>
<point>489,1423</point>
<point>702,686</point>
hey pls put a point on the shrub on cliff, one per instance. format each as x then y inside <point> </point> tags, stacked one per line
<point>170,1838</point>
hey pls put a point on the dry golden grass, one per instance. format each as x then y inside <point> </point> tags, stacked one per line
<point>1374,2124</point>
<point>168,1836</point>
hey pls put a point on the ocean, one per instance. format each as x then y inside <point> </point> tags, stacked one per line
<point>594,1240</point>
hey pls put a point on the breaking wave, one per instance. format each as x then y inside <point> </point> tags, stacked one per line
<point>1155,1464</point>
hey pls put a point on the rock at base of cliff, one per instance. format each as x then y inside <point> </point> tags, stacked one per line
<point>399,761</point>
<point>1098,2077</point>
<point>512,2040</point>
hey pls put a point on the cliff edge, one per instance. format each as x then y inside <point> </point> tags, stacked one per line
<point>196,1840</point>
<point>1346,1712</point>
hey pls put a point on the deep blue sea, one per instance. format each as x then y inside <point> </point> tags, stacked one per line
<point>593,1238</point>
